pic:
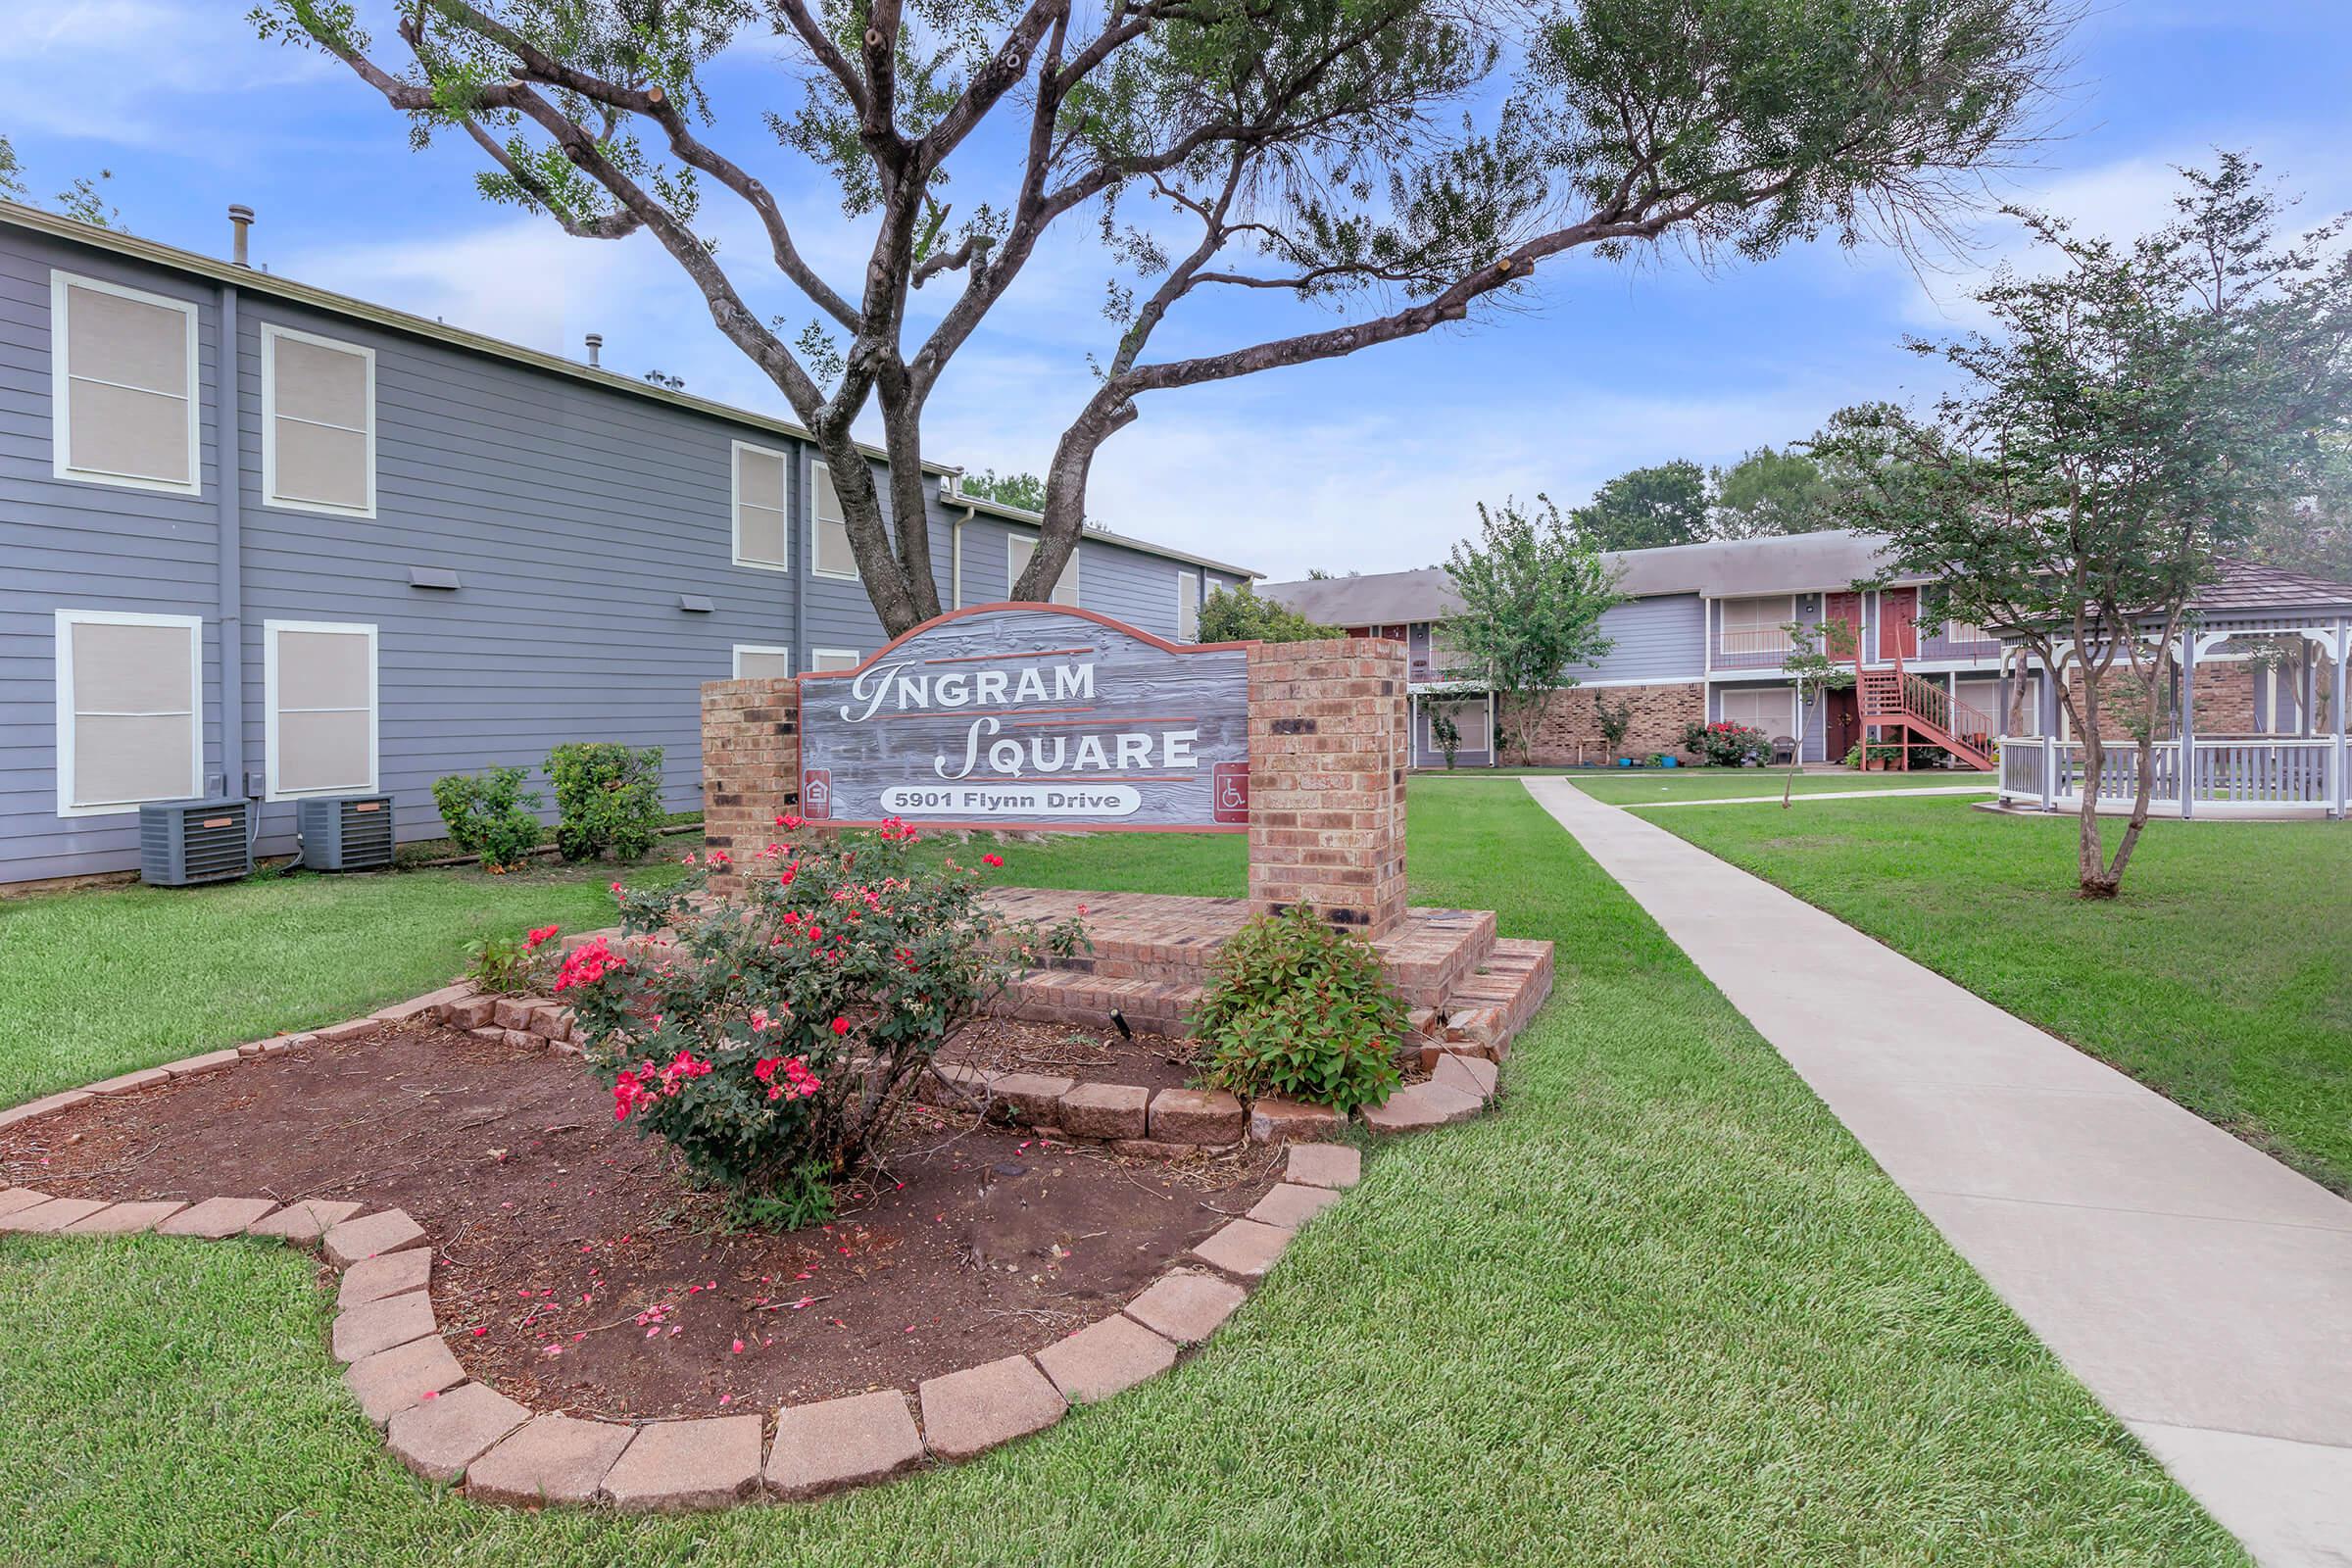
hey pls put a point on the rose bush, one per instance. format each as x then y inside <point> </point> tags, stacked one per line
<point>773,1039</point>
<point>1728,745</point>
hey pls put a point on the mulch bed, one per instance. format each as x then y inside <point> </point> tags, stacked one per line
<point>1061,1050</point>
<point>577,1268</point>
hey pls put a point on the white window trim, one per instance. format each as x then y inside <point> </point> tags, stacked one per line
<point>741,648</point>
<point>1186,602</point>
<point>1036,542</point>
<point>735,452</point>
<point>61,438</point>
<point>815,654</point>
<point>270,333</point>
<point>815,468</point>
<point>376,708</point>
<point>67,620</point>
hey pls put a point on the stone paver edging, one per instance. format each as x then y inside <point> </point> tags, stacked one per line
<point>450,1430</point>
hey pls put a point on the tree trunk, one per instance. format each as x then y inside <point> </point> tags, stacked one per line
<point>2091,859</point>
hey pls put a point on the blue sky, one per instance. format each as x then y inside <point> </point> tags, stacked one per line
<point>1371,462</point>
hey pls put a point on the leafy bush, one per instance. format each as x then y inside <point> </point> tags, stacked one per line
<point>1296,1008</point>
<point>490,814</point>
<point>1615,722</point>
<point>512,966</point>
<point>1239,615</point>
<point>1728,745</point>
<point>774,1040</point>
<point>1447,733</point>
<point>607,798</point>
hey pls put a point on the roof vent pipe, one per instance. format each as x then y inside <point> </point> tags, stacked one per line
<point>596,344</point>
<point>240,221</point>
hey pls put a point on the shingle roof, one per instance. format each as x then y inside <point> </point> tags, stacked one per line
<point>1721,569</point>
<point>2245,587</point>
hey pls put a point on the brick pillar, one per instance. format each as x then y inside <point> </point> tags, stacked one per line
<point>751,764</point>
<point>1330,740</point>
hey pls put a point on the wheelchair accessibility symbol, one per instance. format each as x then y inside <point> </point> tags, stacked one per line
<point>1229,792</point>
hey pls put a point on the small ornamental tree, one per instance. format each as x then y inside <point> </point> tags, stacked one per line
<point>1818,664</point>
<point>2133,413</point>
<point>774,1039</point>
<point>1532,592</point>
<point>1447,733</point>
<point>1616,722</point>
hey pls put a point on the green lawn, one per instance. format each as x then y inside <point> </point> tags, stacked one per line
<point>101,982</point>
<point>1657,1309</point>
<point>2221,977</point>
<point>1649,786</point>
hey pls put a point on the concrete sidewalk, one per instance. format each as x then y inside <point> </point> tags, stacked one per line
<point>2200,1289</point>
<point>1930,792</point>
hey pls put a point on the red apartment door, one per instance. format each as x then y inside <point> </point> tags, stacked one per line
<point>1846,607</point>
<point>1902,619</point>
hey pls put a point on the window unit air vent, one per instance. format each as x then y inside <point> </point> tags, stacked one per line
<point>346,832</point>
<point>184,843</point>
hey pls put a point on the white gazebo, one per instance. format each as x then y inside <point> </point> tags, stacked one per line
<point>2290,632</point>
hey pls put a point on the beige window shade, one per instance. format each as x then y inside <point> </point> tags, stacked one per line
<point>761,664</point>
<point>834,556</point>
<point>760,537</point>
<point>321,412</point>
<point>1019,547</point>
<point>131,732</point>
<point>322,708</point>
<point>127,386</point>
<point>1772,711</point>
<point>824,659</point>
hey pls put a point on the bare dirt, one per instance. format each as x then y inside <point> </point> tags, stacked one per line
<point>577,1267</point>
<point>1061,1050</point>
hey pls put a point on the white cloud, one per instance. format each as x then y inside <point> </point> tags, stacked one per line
<point>108,70</point>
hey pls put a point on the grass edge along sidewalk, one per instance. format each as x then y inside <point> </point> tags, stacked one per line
<point>1658,1309</point>
<point>2219,978</point>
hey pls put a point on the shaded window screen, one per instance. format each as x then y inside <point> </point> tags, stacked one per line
<point>824,659</point>
<point>761,664</point>
<point>760,507</point>
<point>318,426</point>
<point>834,558</point>
<point>1187,606</point>
<point>134,733</point>
<point>129,387</point>
<point>325,707</point>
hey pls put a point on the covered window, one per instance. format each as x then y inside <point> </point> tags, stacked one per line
<point>1757,625</point>
<point>829,530</point>
<point>1472,720</point>
<point>1019,547</point>
<point>755,663</point>
<point>130,706</point>
<point>123,385</point>
<point>317,423</point>
<point>1770,708</point>
<point>1187,606</point>
<point>821,660</point>
<point>1965,631</point>
<point>760,528</point>
<point>318,683</point>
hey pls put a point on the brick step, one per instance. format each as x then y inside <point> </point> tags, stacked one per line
<point>1157,937</point>
<point>1077,997</point>
<point>1485,1013</point>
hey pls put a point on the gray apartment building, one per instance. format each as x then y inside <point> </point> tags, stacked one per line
<point>261,539</point>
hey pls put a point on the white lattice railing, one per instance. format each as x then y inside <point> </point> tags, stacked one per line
<point>2294,772</point>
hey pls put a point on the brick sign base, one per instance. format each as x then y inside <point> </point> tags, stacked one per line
<point>1323,797</point>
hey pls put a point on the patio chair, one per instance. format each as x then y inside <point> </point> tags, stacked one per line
<point>1784,749</point>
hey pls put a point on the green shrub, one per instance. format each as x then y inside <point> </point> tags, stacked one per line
<point>1727,745</point>
<point>490,814</point>
<point>1297,1008</point>
<point>607,798</point>
<point>513,966</point>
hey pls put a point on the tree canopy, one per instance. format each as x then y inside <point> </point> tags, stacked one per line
<point>1769,492</point>
<point>1347,155</point>
<point>1645,508</point>
<point>1023,490</point>
<point>2135,412</point>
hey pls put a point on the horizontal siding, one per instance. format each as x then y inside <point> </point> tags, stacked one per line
<point>574,517</point>
<point>1660,638</point>
<point>67,545</point>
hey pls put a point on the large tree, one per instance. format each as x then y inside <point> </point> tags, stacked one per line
<point>1643,509</point>
<point>1769,492</point>
<point>1317,149</point>
<point>1533,590</point>
<point>2132,414</point>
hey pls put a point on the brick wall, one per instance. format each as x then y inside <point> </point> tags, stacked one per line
<point>1330,740</point>
<point>2224,696</point>
<point>751,764</point>
<point>1570,732</point>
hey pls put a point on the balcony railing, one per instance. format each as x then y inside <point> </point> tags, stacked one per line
<point>1735,641</point>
